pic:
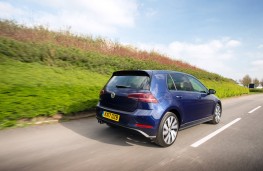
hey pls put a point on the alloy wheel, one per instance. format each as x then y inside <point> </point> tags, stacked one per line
<point>170,129</point>
<point>217,113</point>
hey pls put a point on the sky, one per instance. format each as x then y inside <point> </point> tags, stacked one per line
<point>220,36</point>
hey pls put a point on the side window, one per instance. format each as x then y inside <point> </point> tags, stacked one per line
<point>197,85</point>
<point>170,83</point>
<point>181,82</point>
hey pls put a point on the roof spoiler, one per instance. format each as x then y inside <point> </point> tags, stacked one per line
<point>131,73</point>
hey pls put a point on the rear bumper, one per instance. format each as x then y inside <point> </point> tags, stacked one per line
<point>129,120</point>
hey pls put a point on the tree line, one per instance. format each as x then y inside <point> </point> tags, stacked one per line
<point>246,80</point>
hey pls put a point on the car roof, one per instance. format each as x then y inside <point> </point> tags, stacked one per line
<point>165,72</point>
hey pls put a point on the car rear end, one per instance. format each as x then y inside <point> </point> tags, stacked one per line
<point>127,101</point>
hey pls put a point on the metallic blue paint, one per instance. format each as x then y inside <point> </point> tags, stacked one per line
<point>191,107</point>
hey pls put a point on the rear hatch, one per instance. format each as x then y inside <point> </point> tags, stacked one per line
<point>121,92</point>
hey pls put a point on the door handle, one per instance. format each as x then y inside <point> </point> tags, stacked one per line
<point>178,97</point>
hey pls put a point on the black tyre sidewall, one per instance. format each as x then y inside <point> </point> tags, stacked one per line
<point>159,138</point>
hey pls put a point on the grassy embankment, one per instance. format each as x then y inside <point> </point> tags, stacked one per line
<point>44,73</point>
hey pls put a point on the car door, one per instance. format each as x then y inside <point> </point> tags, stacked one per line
<point>189,101</point>
<point>206,101</point>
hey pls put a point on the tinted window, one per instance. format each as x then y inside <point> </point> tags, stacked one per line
<point>197,85</point>
<point>127,81</point>
<point>181,82</point>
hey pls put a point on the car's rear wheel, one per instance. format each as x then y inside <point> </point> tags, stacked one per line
<point>217,114</point>
<point>168,130</point>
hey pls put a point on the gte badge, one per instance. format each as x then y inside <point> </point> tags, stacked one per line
<point>112,95</point>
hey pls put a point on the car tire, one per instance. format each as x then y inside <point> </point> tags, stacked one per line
<point>217,114</point>
<point>168,130</point>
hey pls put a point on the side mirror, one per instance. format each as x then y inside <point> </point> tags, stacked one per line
<point>211,91</point>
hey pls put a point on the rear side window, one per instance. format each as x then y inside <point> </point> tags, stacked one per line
<point>182,82</point>
<point>130,81</point>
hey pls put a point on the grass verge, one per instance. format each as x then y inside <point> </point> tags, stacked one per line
<point>28,90</point>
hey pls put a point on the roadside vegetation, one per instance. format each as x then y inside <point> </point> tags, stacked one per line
<point>30,89</point>
<point>247,81</point>
<point>225,89</point>
<point>44,73</point>
<point>256,90</point>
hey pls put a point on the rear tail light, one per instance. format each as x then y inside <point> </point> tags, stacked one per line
<point>143,97</point>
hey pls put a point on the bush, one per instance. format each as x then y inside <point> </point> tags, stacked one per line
<point>256,90</point>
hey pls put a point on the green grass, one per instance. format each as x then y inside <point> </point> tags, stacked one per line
<point>28,90</point>
<point>225,89</point>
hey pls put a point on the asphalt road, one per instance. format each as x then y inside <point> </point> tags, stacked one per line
<point>86,145</point>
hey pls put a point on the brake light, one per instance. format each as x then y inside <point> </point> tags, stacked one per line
<point>143,126</point>
<point>143,97</point>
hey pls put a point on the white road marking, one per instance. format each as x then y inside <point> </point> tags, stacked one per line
<point>253,110</point>
<point>203,140</point>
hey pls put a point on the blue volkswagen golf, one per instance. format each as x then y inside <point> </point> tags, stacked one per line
<point>157,103</point>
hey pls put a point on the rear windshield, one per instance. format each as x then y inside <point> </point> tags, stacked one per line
<point>130,81</point>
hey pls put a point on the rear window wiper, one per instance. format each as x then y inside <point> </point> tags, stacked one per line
<point>123,86</point>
